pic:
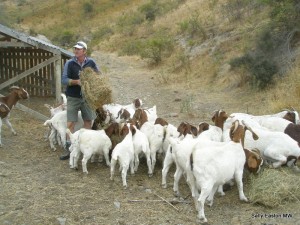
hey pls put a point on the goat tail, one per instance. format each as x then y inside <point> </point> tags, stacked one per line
<point>64,98</point>
<point>48,123</point>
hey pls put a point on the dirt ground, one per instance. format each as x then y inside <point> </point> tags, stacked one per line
<point>36,188</point>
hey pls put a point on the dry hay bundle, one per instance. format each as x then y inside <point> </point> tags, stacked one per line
<point>274,187</point>
<point>95,88</point>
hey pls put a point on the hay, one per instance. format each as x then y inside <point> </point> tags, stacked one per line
<point>95,88</point>
<point>274,187</point>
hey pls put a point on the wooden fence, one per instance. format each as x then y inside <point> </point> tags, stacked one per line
<point>41,82</point>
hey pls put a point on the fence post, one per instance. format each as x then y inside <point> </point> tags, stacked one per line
<point>57,75</point>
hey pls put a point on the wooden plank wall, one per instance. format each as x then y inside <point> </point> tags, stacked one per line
<point>14,61</point>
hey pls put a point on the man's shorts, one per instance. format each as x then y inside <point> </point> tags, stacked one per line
<point>74,105</point>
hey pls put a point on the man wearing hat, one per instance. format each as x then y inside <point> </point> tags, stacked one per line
<point>75,99</point>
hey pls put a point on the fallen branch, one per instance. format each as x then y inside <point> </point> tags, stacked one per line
<point>166,201</point>
<point>171,201</point>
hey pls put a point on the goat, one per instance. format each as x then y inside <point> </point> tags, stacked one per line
<point>282,125</point>
<point>141,145</point>
<point>185,128</point>
<point>181,150</point>
<point>115,109</point>
<point>124,154</point>
<point>103,118</point>
<point>212,166</point>
<point>161,121</point>
<point>53,111</point>
<point>155,134</point>
<point>58,123</point>
<point>112,131</point>
<point>90,142</point>
<point>59,108</point>
<point>6,104</point>
<point>275,146</point>
<point>140,117</point>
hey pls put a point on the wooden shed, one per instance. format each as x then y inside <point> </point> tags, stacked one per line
<point>35,64</point>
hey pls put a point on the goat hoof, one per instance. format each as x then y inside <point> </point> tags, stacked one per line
<point>150,174</point>
<point>164,185</point>
<point>176,194</point>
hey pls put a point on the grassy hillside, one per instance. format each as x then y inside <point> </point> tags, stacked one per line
<point>223,44</point>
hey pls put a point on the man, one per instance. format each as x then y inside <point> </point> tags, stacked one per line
<point>75,99</point>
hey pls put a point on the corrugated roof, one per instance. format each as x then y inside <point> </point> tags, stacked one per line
<point>33,41</point>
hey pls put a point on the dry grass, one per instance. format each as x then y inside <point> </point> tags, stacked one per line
<point>274,187</point>
<point>286,92</point>
<point>95,88</point>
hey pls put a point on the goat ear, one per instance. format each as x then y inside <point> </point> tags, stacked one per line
<point>215,113</point>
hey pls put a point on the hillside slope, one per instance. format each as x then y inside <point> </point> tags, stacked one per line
<point>186,42</point>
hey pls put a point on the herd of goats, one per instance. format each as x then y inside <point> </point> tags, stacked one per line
<point>207,155</point>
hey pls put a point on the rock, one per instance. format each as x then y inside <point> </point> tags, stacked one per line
<point>62,221</point>
<point>117,205</point>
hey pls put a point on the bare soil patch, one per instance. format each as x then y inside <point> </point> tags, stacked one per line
<point>37,188</point>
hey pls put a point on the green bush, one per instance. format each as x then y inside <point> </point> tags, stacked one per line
<point>131,48</point>
<point>273,43</point>
<point>156,48</point>
<point>102,33</point>
<point>262,69</point>
<point>150,10</point>
<point>156,8</point>
<point>64,38</point>
<point>236,10</point>
<point>193,28</point>
<point>127,22</point>
<point>87,8</point>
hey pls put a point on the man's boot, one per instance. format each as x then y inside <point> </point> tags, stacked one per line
<point>66,153</point>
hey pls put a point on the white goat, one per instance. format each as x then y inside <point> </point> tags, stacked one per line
<point>117,109</point>
<point>155,134</point>
<point>90,142</point>
<point>274,146</point>
<point>58,123</point>
<point>180,151</point>
<point>59,108</point>
<point>212,166</point>
<point>124,154</point>
<point>74,148</point>
<point>151,113</point>
<point>53,111</point>
<point>141,146</point>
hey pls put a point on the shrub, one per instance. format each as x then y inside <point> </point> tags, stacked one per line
<point>193,28</point>
<point>87,8</point>
<point>262,69</point>
<point>131,48</point>
<point>156,48</point>
<point>103,32</point>
<point>64,38</point>
<point>127,22</point>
